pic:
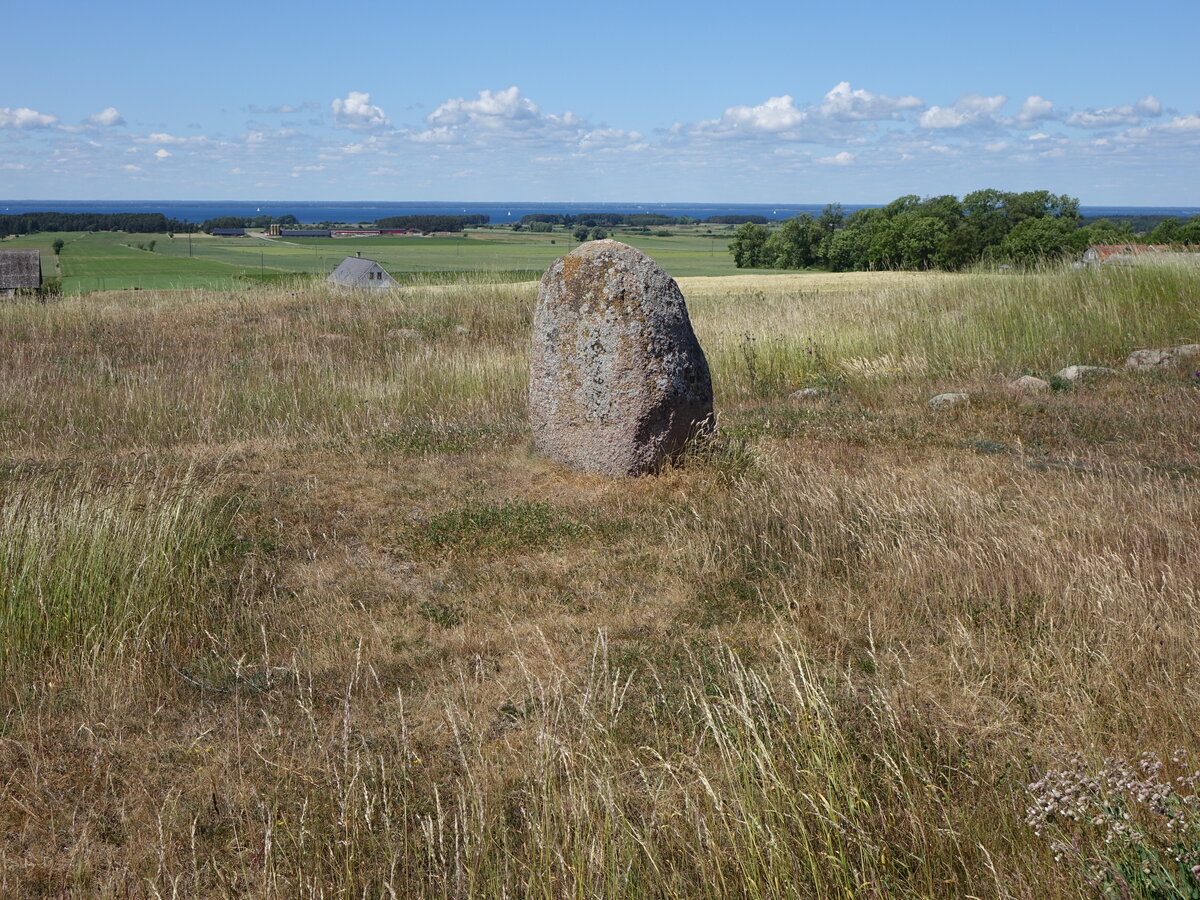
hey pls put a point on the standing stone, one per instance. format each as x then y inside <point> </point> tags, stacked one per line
<point>617,380</point>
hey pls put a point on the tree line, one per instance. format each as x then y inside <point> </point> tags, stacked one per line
<point>637,220</point>
<point>432,223</point>
<point>208,225</point>
<point>937,233</point>
<point>38,222</point>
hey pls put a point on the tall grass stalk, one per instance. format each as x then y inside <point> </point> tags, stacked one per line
<point>92,569</point>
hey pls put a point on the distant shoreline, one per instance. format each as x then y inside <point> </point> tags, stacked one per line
<point>309,211</point>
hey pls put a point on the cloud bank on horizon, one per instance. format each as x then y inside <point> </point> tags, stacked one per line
<point>672,101</point>
<point>501,142</point>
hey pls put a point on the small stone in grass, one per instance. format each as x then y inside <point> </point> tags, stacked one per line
<point>1031,384</point>
<point>1083,373</point>
<point>944,401</point>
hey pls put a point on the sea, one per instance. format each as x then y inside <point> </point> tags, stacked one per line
<point>497,213</point>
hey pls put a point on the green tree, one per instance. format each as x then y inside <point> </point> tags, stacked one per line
<point>58,245</point>
<point>749,246</point>
<point>1036,239</point>
<point>846,250</point>
<point>919,240</point>
<point>796,245</point>
<point>832,217</point>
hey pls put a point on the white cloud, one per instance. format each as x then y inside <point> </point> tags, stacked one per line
<point>1034,111</point>
<point>14,166</point>
<point>236,171</point>
<point>968,110</point>
<point>263,137</point>
<point>1113,116</point>
<point>132,168</point>
<point>1180,129</point>
<point>839,159</point>
<point>609,138</point>
<point>1180,125</point>
<point>355,111</point>
<point>282,109</point>
<point>513,117</point>
<point>161,153</point>
<point>776,115</point>
<point>161,137</point>
<point>849,105</point>
<point>107,118</point>
<point>839,116</point>
<point>492,109</point>
<point>24,117</point>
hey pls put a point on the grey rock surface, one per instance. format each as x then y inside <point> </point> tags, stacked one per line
<point>1148,360</point>
<point>618,382</point>
<point>1083,373</point>
<point>1144,360</point>
<point>1031,384</point>
<point>810,393</point>
<point>944,401</point>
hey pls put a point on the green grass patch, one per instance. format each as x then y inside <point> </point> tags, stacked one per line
<point>92,568</point>
<point>511,525</point>
<point>93,261</point>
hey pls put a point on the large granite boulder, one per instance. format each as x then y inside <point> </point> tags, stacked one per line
<point>617,380</point>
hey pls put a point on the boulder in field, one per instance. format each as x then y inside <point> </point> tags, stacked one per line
<point>1144,360</point>
<point>945,401</point>
<point>1083,373</point>
<point>1148,360</point>
<point>618,383</point>
<point>1031,384</point>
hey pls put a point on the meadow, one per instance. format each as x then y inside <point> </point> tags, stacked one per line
<point>291,609</point>
<point>100,261</point>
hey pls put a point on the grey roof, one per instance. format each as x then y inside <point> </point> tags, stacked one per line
<point>353,272</point>
<point>20,269</point>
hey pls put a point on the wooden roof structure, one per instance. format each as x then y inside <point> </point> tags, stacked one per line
<point>1105,252</point>
<point>20,269</point>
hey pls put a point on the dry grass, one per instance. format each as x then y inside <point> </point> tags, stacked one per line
<point>335,631</point>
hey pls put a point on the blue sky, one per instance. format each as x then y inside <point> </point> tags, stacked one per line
<point>650,101</point>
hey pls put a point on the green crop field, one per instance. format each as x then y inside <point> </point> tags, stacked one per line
<point>97,261</point>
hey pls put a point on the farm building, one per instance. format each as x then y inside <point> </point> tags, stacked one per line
<point>1120,254</point>
<point>20,270</point>
<point>357,272</point>
<point>304,232</point>
<point>229,232</point>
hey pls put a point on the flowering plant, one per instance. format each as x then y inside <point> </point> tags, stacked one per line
<point>1133,829</point>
